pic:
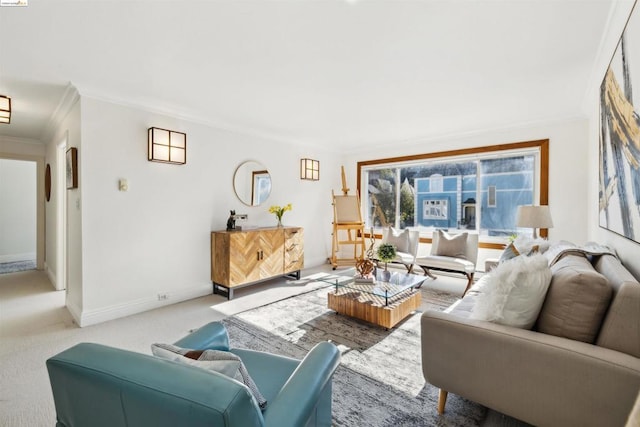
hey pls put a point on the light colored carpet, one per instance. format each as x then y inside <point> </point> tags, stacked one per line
<point>13,267</point>
<point>35,325</point>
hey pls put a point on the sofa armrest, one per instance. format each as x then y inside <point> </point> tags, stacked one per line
<point>298,399</point>
<point>537,378</point>
<point>212,336</point>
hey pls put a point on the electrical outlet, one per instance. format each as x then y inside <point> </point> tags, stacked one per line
<point>163,297</point>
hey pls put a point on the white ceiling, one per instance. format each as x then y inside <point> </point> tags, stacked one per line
<point>331,72</point>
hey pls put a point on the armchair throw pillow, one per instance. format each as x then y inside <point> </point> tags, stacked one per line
<point>223,362</point>
<point>451,246</point>
<point>399,239</point>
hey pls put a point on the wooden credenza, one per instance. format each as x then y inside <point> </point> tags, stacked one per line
<point>240,258</point>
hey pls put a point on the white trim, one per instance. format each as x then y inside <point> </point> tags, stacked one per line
<point>27,256</point>
<point>51,274</point>
<point>67,101</point>
<point>104,314</point>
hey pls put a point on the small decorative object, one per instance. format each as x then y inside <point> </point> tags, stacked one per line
<point>72,168</point>
<point>231,222</point>
<point>365,268</point>
<point>279,211</point>
<point>386,253</point>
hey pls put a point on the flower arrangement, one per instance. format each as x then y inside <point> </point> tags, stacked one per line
<point>279,211</point>
<point>386,252</point>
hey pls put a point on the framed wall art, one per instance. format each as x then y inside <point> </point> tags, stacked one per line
<point>619,186</point>
<point>47,182</point>
<point>72,168</point>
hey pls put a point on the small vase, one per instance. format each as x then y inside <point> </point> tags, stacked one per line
<point>386,275</point>
<point>279,222</point>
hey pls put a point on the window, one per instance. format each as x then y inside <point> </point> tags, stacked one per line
<point>475,189</point>
<point>491,196</point>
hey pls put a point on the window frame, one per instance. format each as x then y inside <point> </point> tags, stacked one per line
<point>542,185</point>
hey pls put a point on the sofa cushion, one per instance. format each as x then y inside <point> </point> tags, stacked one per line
<point>223,362</point>
<point>513,292</point>
<point>451,246</point>
<point>576,302</point>
<point>399,239</point>
<point>621,326</point>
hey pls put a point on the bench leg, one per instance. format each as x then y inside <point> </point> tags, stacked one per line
<point>442,400</point>
<point>427,272</point>
<point>469,283</point>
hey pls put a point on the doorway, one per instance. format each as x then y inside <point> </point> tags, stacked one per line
<point>18,215</point>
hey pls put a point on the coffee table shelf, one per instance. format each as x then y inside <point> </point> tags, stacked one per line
<point>381,303</point>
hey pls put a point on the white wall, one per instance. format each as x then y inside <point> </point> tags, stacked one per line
<point>568,171</point>
<point>627,250</point>
<point>67,129</point>
<point>31,151</point>
<point>155,238</point>
<point>17,210</point>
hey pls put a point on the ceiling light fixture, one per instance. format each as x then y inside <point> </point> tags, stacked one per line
<point>5,109</point>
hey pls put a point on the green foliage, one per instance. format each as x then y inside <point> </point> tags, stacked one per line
<point>386,252</point>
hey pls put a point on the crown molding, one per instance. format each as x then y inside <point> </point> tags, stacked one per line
<point>181,115</point>
<point>619,14</point>
<point>421,141</point>
<point>67,101</point>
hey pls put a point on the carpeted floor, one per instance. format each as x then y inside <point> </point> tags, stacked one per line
<point>13,267</point>
<point>379,381</point>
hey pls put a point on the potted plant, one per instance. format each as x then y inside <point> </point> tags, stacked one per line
<point>279,211</point>
<point>386,253</point>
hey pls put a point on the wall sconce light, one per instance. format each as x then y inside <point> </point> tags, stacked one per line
<point>167,146</point>
<point>310,169</point>
<point>5,109</point>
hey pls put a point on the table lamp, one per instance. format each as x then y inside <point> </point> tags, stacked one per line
<point>534,217</point>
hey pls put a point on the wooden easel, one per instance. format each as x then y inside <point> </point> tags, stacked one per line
<point>348,219</point>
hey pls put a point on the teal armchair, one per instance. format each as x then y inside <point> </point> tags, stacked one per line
<point>96,385</point>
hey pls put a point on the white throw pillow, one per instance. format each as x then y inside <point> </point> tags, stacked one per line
<point>513,293</point>
<point>399,239</point>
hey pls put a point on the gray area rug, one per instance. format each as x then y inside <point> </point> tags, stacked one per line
<point>13,267</point>
<point>379,381</point>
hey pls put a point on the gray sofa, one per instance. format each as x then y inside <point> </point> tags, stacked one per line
<point>542,378</point>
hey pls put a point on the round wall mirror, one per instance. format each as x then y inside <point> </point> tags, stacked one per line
<point>252,183</point>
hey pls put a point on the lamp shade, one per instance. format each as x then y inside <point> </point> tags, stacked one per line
<point>534,217</point>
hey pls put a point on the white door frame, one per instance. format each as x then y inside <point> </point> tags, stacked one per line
<point>61,235</point>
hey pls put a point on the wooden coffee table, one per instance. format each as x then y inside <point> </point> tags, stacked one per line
<point>379,302</point>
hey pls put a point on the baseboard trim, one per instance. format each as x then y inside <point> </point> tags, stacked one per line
<point>17,257</point>
<point>52,276</point>
<point>104,314</point>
